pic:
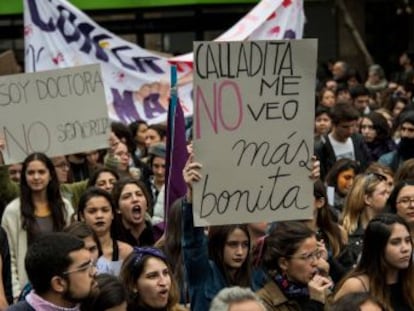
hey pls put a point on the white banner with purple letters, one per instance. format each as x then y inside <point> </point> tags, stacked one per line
<point>58,35</point>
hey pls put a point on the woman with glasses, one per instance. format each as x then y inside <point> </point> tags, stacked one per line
<point>365,200</point>
<point>385,269</point>
<point>401,202</point>
<point>40,208</point>
<point>291,257</point>
<point>146,273</point>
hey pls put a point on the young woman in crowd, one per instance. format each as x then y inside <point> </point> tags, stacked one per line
<point>170,244</point>
<point>323,121</point>
<point>221,260</point>
<point>156,185</point>
<point>84,232</point>
<point>329,234</point>
<point>103,178</point>
<point>401,202</point>
<point>97,210</point>
<point>156,133</point>
<point>405,171</point>
<point>291,258</point>
<point>385,269</point>
<point>357,301</point>
<point>10,190</point>
<point>396,105</point>
<point>388,116</point>
<point>377,135</point>
<point>139,130</point>
<point>341,177</point>
<point>110,295</point>
<point>327,98</point>
<point>133,224</point>
<point>122,133</point>
<point>380,169</point>
<point>146,273</point>
<point>123,157</point>
<point>40,208</point>
<point>365,200</point>
<point>71,191</point>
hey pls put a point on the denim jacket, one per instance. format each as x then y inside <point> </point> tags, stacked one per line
<point>203,276</point>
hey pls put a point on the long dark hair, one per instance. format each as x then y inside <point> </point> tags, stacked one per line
<point>54,198</point>
<point>171,244</point>
<point>392,199</point>
<point>340,166</point>
<point>373,264</point>
<point>324,220</point>
<point>120,185</point>
<point>217,238</point>
<point>90,193</point>
<point>380,125</point>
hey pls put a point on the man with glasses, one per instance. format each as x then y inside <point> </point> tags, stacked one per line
<point>61,272</point>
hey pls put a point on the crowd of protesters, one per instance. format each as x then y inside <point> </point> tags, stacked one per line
<point>87,231</point>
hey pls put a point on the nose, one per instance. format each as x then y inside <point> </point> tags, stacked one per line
<point>107,186</point>
<point>241,249</point>
<point>406,247</point>
<point>99,214</point>
<point>163,280</point>
<point>134,197</point>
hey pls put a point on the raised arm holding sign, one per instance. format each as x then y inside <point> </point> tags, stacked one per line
<point>253,130</point>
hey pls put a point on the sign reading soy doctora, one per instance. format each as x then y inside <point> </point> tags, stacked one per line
<point>253,130</point>
<point>56,112</point>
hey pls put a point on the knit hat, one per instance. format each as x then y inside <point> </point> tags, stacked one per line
<point>158,150</point>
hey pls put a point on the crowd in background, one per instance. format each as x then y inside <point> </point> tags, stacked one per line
<point>87,231</point>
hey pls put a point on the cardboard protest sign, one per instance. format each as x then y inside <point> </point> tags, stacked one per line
<point>253,130</point>
<point>56,112</point>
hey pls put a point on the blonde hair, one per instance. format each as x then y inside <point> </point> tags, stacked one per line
<point>354,205</point>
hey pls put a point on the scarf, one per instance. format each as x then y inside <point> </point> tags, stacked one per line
<point>406,148</point>
<point>38,303</point>
<point>291,289</point>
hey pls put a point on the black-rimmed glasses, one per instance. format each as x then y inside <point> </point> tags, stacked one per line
<point>90,265</point>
